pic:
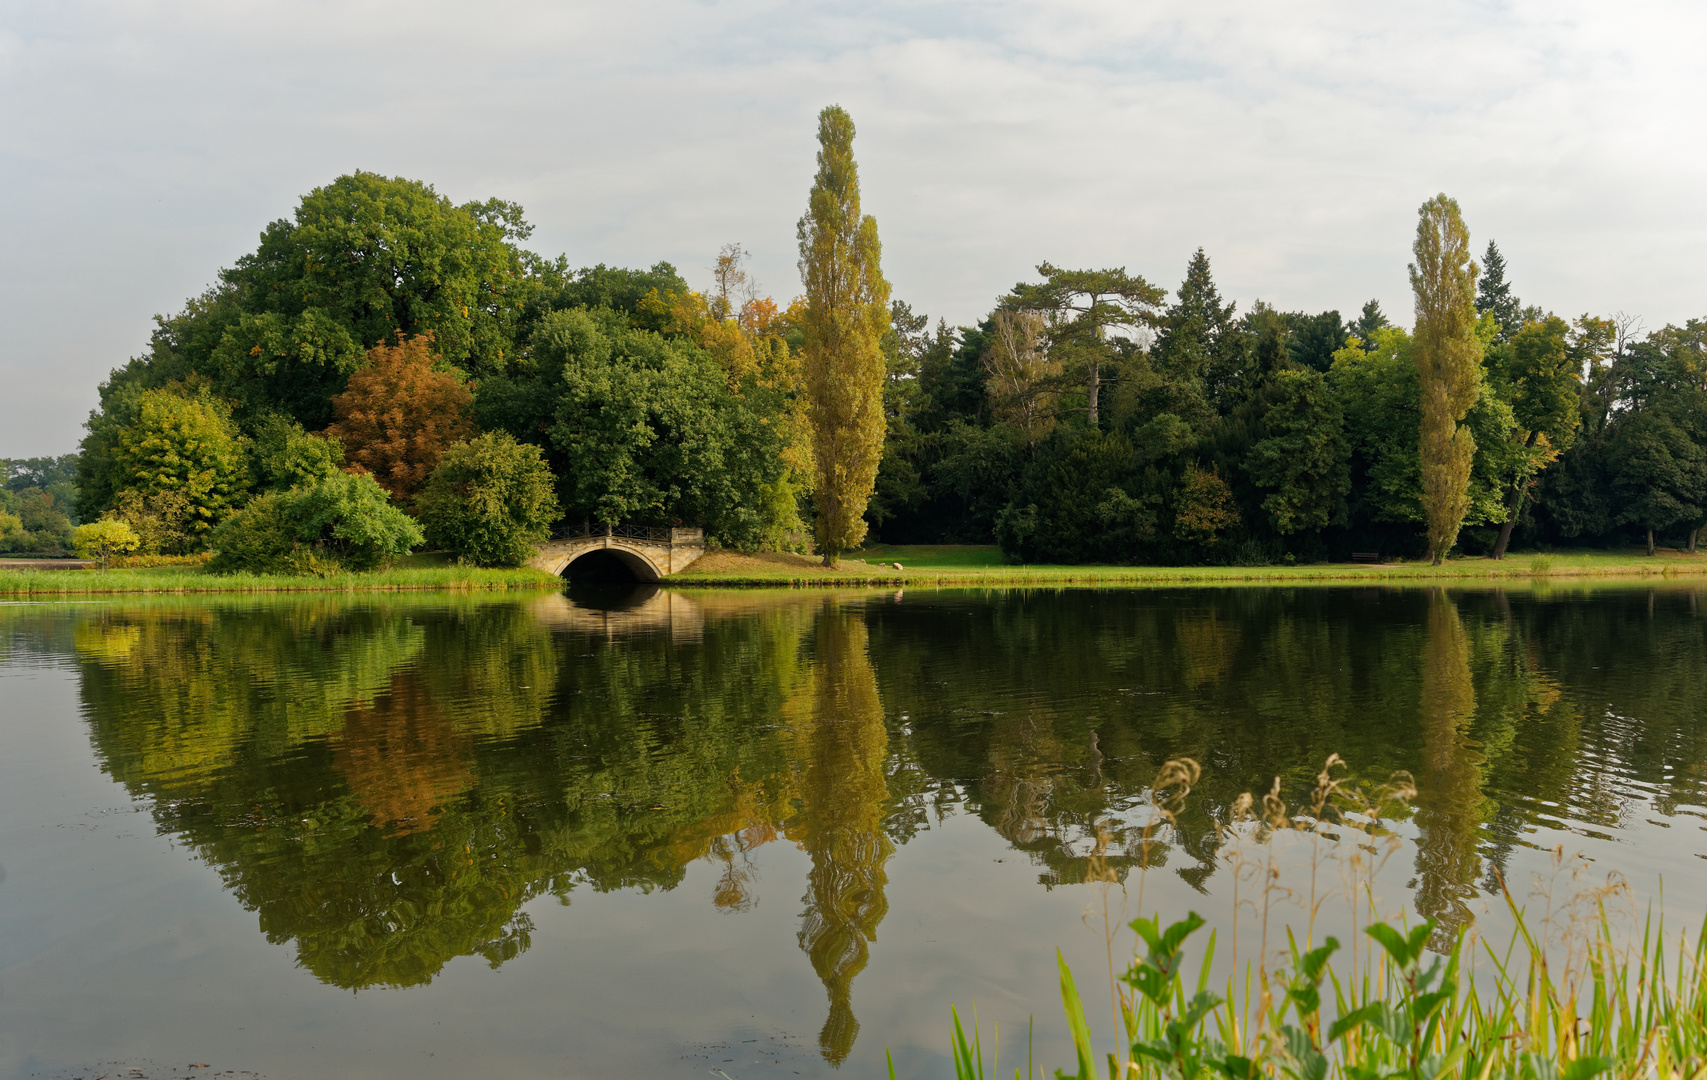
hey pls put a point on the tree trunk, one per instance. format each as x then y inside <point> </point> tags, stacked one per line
<point>1693,533</point>
<point>1514,504</point>
<point>1091,393</point>
<point>1650,541</point>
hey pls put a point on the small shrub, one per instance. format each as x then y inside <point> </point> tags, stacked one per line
<point>12,532</point>
<point>1252,553</point>
<point>349,517</point>
<point>104,539</point>
<point>342,521</point>
<point>490,501</point>
<point>257,538</point>
<point>161,519</point>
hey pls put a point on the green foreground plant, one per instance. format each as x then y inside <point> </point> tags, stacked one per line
<point>1408,1006</point>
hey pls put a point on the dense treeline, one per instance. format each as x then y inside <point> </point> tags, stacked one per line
<point>1091,416</point>
<point>382,327</point>
<point>1205,435</point>
<point>37,497</point>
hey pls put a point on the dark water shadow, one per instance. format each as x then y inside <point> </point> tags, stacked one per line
<point>604,581</point>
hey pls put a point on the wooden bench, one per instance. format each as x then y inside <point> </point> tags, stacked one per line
<point>1365,556</point>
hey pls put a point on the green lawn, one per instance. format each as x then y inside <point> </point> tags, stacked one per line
<point>974,566</point>
<point>935,556</point>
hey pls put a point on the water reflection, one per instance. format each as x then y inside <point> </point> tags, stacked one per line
<point>843,745</point>
<point>389,784</point>
<point>1449,783</point>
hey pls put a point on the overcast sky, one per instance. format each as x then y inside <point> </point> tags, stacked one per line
<point>144,145</point>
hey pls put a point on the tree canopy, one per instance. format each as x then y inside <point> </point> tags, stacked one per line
<point>1087,415</point>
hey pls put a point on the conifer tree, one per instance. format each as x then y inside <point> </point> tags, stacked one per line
<point>1197,325</point>
<point>847,312</point>
<point>1083,305</point>
<point>1493,294</point>
<point>1372,319</point>
<point>1449,363</point>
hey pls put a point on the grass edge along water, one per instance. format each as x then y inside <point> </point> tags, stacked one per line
<point>1408,1006</point>
<point>194,579</point>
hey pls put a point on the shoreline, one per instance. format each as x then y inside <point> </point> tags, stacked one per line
<point>969,566</point>
<point>957,567</point>
<point>1113,577</point>
<point>177,580</point>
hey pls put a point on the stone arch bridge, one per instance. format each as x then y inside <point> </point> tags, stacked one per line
<point>652,554</point>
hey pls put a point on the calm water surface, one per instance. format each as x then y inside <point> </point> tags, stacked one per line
<point>763,833</point>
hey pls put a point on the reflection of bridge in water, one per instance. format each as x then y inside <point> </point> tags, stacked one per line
<point>623,611</point>
<point>649,553</point>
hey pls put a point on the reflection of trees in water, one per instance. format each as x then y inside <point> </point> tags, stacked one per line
<point>842,747</point>
<point>387,787</point>
<point>1526,702</point>
<point>388,783</point>
<point>332,776</point>
<point>198,687</point>
<point>401,759</point>
<point>1016,792</point>
<point>1449,780</point>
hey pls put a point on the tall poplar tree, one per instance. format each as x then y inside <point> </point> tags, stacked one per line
<point>847,312</point>
<point>1449,362</point>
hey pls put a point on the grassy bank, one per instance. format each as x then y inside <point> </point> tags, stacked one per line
<point>417,573</point>
<point>968,566</point>
<point>945,566</point>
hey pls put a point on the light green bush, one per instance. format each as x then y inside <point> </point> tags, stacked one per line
<point>340,522</point>
<point>101,540</point>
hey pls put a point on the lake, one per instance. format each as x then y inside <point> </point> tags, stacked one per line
<point>645,832</point>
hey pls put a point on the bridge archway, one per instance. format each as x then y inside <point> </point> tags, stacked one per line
<point>650,554</point>
<point>610,565</point>
<point>638,563</point>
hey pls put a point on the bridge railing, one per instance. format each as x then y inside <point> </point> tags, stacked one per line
<point>648,533</point>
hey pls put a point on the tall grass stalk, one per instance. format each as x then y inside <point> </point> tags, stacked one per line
<point>1568,998</point>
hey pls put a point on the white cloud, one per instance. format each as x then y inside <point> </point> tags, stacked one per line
<point>145,145</point>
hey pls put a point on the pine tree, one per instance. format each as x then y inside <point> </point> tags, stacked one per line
<point>1082,306</point>
<point>1372,319</point>
<point>1449,362</point>
<point>1493,294</point>
<point>1196,326</point>
<point>847,313</point>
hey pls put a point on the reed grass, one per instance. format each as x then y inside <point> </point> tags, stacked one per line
<point>1569,996</point>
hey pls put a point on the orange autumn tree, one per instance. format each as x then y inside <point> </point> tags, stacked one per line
<point>398,414</point>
